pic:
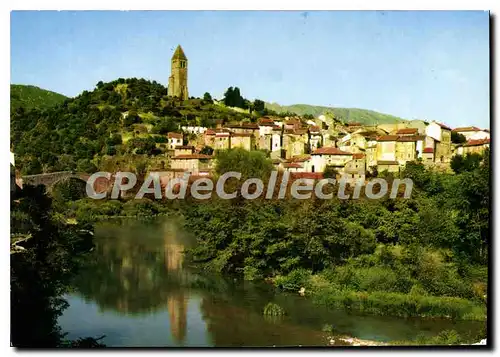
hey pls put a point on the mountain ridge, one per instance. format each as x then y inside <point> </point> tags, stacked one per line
<point>362,116</point>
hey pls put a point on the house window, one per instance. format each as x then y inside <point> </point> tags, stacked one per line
<point>312,168</point>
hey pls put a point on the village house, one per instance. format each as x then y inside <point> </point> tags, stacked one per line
<point>174,139</point>
<point>428,156</point>
<point>197,164</point>
<point>315,138</point>
<point>183,150</point>
<point>302,163</point>
<point>266,126</point>
<point>295,142</point>
<point>473,133</point>
<point>442,141</point>
<point>329,156</point>
<point>355,169</point>
<point>244,128</point>
<point>222,140</point>
<point>409,148</point>
<point>386,153</point>
<point>474,146</point>
<point>386,147</point>
<point>242,140</point>
<point>292,124</point>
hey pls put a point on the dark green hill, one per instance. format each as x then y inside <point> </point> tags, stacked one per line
<point>31,97</point>
<point>348,115</point>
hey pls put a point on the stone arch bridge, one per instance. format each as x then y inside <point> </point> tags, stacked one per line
<point>50,179</point>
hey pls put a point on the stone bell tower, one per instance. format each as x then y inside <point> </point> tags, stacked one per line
<point>177,82</point>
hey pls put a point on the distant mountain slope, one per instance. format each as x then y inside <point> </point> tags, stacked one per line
<point>350,115</point>
<point>31,97</point>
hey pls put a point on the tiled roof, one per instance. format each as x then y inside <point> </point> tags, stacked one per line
<point>407,131</point>
<point>292,165</point>
<point>443,126</point>
<point>477,142</point>
<point>314,129</point>
<point>192,156</point>
<point>243,126</point>
<point>266,121</point>
<point>411,138</point>
<point>295,131</point>
<point>330,151</point>
<point>428,150</point>
<point>299,158</point>
<point>387,163</point>
<point>250,125</point>
<point>358,156</point>
<point>387,138</point>
<point>467,128</point>
<point>306,175</point>
<point>174,136</point>
<point>209,132</point>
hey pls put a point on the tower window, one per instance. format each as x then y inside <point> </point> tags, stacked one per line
<point>183,64</point>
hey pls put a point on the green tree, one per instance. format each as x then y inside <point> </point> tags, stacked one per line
<point>207,97</point>
<point>457,138</point>
<point>259,106</point>
<point>85,165</point>
<point>469,162</point>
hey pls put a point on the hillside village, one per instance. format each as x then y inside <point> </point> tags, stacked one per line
<point>310,146</point>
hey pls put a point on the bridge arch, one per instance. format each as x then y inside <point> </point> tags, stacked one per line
<point>52,179</point>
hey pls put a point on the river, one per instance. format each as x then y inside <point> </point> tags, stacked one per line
<point>137,291</point>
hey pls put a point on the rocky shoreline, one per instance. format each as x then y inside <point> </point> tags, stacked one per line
<point>353,341</point>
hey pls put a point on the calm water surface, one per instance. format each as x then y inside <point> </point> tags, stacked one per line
<point>137,291</point>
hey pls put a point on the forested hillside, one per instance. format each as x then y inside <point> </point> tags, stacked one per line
<point>31,97</point>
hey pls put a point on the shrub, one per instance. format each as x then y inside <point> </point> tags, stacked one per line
<point>294,281</point>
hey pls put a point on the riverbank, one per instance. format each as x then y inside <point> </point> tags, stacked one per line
<point>377,284</point>
<point>325,289</point>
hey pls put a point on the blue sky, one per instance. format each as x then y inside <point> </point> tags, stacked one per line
<point>427,65</point>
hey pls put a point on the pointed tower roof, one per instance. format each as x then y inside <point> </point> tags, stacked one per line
<point>179,54</point>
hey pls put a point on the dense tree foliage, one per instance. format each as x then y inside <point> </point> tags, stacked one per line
<point>457,138</point>
<point>46,253</point>
<point>432,244</point>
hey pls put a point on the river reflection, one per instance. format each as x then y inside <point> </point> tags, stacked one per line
<point>137,290</point>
